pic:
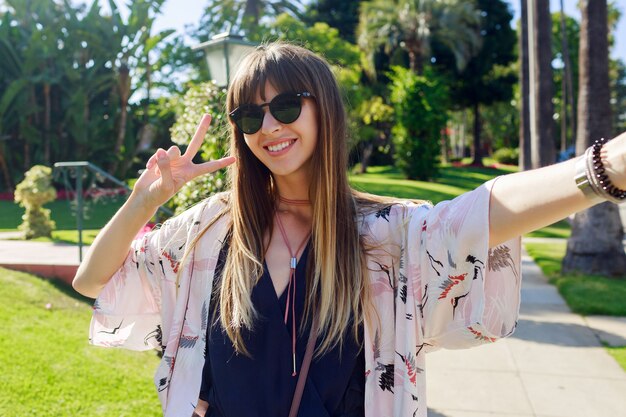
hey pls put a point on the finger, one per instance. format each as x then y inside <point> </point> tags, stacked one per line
<point>212,166</point>
<point>151,162</point>
<point>173,153</point>
<point>198,137</point>
<point>163,162</point>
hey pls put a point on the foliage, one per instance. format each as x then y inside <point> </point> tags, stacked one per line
<point>67,80</point>
<point>318,37</point>
<point>413,24</point>
<point>199,100</point>
<point>419,123</point>
<point>507,156</point>
<point>342,15</point>
<point>32,193</point>
<point>572,34</point>
<point>500,125</point>
<point>490,75</point>
<point>243,16</point>
<point>618,94</point>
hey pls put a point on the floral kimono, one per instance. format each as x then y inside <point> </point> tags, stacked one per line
<point>434,283</point>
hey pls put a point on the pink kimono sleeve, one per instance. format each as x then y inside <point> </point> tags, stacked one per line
<point>466,292</point>
<point>128,312</point>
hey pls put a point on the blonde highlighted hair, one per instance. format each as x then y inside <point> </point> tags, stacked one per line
<point>337,290</point>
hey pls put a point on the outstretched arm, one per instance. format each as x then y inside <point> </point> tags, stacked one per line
<point>166,172</point>
<point>526,201</point>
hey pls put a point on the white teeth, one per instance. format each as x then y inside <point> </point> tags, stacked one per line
<point>280,146</point>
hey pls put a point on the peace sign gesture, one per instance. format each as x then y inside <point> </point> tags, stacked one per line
<point>167,171</point>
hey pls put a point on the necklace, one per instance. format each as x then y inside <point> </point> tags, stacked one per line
<point>290,202</point>
<point>291,288</point>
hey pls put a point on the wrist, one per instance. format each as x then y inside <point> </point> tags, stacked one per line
<point>614,160</point>
<point>138,204</point>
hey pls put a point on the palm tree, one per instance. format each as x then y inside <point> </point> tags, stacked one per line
<point>136,41</point>
<point>540,66</point>
<point>412,24</point>
<point>595,246</point>
<point>524,126</point>
<point>243,15</point>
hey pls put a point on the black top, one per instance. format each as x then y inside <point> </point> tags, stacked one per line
<point>263,385</point>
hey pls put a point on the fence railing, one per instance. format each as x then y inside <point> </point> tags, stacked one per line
<point>78,170</point>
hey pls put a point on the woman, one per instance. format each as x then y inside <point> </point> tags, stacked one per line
<point>231,289</point>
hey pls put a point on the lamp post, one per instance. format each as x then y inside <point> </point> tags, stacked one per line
<point>223,54</point>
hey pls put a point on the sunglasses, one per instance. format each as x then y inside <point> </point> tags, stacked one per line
<point>285,108</point>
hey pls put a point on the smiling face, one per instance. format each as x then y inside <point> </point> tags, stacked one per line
<point>285,149</point>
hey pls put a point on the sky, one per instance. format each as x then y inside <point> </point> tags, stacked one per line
<point>177,13</point>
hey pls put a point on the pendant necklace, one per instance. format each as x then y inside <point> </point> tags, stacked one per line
<point>291,288</point>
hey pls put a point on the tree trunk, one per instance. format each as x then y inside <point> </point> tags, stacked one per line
<point>366,154</point>
<point>542,142</point>
<point>478,152</point>
<point>595,246</point>
<point>570,108</point>
<point>5,171</point>
<point>46,123</point>
<point>416,56</point>
<point>124,89</point>
<point>524,126</point>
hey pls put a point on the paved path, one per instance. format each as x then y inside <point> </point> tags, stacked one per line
<point>553,366</point>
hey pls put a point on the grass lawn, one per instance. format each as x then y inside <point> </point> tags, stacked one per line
<point>453,181</point>
<point>97,214</point>
<point>584,294</point>
<point>382,180</point>
<point>48,367</point>
<point>388,180</point>
<point>70,236</point>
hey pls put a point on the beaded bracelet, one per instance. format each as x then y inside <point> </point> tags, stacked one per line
<point>592,178</point>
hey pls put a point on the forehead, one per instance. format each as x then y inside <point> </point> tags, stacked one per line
<point>266,93</point>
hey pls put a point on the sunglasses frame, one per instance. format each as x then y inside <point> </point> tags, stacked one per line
<point>234,114</point>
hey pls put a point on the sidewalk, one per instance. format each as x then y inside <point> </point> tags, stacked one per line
<point>553,366</point>
<point>58,260</point>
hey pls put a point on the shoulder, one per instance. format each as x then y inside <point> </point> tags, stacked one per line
<point>392,211</point>
<point>198,214</point>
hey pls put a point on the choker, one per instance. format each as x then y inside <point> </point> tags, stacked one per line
<point>290,202</point>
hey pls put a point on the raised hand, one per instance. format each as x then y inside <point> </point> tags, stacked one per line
<point>167,171</point>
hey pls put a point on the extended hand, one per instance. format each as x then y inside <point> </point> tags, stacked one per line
<point>167,171</point>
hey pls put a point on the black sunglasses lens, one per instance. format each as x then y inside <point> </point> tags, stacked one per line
<point>249,118</point>
<point>286,108</point>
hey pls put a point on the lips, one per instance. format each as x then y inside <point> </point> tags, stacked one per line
<point>280,146</point>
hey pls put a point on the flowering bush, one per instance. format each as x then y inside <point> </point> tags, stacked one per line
<point>200,99</point>
<point>32,194</point>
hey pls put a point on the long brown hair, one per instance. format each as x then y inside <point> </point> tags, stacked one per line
<point>336,276</point>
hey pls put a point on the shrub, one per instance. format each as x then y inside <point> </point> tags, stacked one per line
<point>508,156</point>
<point>32,193</point>
<point>420,113</point>
<point>198,100</point>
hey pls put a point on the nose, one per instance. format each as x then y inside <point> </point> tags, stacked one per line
<point>270,124</point>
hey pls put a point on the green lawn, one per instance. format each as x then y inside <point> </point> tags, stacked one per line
<point>70,236</point>
<point>584,294</point>
<point>48,368</point>
<point>383,180</point>
<point>97,214</point>
<point>452,182</point>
